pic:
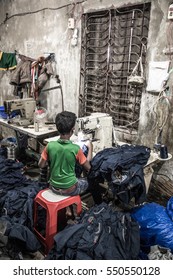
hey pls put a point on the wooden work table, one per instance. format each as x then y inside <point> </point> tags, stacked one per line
<point>29,133</point>
<point>44,131</point>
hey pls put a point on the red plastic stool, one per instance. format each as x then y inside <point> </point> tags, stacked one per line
<point>52,203</point>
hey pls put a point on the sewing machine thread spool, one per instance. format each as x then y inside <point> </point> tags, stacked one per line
<point>163,152</point>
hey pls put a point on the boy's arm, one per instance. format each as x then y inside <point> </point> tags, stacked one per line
<point>87,165</point>
<point>83,160</point>
<point>42,163</point>
<point>44,159</point>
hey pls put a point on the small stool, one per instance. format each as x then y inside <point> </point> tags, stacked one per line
<point>52,203</point>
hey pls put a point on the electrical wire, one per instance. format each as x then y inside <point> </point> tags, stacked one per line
<point>167,115</point>
<point>149,109</point>
<point>161,95</point>
<point>40,10</point>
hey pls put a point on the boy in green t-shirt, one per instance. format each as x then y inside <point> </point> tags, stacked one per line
<point>61,156</point>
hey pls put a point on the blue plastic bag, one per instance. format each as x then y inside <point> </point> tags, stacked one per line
<point>169,208</point>
<point>156,226</point>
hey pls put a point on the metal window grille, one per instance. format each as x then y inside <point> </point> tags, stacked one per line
<point>112,42</point>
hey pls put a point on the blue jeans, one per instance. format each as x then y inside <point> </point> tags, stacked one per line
<point>81,187</point>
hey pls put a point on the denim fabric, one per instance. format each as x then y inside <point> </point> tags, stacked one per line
<point>24,238</point>
<point>17,193</point>
<point>128,160</point>
<point>81,187</point>
<point>101,234</point>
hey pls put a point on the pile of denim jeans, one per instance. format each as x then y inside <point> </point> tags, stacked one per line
<point>17,193</point>
<point>99,234</point>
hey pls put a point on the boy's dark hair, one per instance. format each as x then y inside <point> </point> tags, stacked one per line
<point>65,121</point>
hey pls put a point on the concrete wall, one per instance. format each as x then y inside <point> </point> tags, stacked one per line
<point>34,28</point>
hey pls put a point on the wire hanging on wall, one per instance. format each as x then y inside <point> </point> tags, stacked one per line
<point>37,11</point>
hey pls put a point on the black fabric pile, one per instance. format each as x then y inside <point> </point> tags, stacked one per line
<point>17,193</point>
<point>122,168</point>
<point>100,234</point>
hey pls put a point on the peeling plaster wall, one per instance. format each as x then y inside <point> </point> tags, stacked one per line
<point>39,33</point>
<point>157,42</point>
<point>34,34</point>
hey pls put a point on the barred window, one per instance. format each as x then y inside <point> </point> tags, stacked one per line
<point>112,42</point>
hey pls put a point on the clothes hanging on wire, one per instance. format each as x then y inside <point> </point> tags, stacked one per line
<point>41,70</point>
<point>7,61</point>
<point>22,74</point>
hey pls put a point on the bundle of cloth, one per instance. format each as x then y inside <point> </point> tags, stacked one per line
<point>16,209</point>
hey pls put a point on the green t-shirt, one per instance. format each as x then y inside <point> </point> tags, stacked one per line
<point>62,157</point>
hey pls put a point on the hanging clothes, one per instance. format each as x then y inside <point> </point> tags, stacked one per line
<point>7,61</point>
<point>22,74</point>
<point>36,68</point>
<point>41,70</point>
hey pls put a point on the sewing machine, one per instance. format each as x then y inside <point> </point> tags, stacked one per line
<point>98,128</point>
<point>23,109</point>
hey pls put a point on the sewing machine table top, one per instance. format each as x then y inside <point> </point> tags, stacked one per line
<point>44,131</point>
